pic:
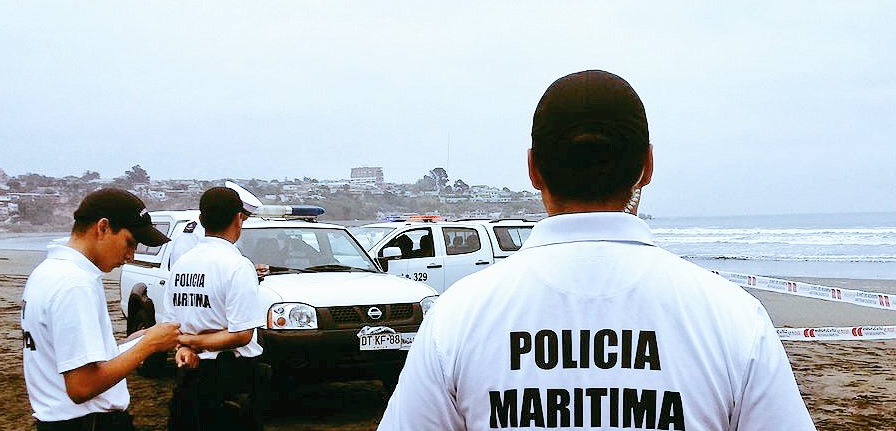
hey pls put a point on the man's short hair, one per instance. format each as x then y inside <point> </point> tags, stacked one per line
<point>217,206</point>
<point>589,137</point>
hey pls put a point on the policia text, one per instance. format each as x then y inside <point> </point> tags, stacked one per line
<point>580,407</point>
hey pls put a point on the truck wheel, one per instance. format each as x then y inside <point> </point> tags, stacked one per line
<point>142,316</point>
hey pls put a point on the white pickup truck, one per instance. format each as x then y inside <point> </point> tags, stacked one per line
<point>439,253</point>
<point>331,312</point>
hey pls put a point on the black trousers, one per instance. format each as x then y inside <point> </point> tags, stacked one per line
<point>226,393</point>
<point>108,421</point>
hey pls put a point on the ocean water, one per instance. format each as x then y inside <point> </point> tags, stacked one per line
<point>858,245</point>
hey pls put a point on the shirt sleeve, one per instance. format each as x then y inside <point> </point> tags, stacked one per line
<point>244,310</point>
<point>75,328</point>
<point>166,308</point>
<point>425,399</point>
<point>770,397</point>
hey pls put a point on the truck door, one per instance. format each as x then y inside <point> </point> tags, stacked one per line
<point>467,250</point>
<point>419,260</point>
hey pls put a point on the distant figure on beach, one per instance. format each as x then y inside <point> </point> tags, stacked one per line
<point>590,325</point>
<point>74,371</point>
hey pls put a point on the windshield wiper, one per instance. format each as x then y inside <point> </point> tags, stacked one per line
<point>274,270</point>
<point>336,268</point>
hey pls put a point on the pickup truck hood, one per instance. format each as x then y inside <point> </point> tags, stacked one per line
<point>328,289</point>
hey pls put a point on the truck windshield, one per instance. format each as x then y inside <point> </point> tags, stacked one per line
<point>303,248</point>
<point>368,236</point>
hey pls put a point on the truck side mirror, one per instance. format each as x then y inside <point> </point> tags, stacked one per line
<point>388,253</point>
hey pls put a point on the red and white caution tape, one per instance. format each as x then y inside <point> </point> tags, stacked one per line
<point>856,297</point>
<point>838,334</point>
<point>797,288</point>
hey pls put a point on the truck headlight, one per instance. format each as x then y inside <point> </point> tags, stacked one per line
<point>292,316</point>
<point>427,303</point>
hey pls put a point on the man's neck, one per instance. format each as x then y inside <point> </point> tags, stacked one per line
<point>227,235</point>
<point>84,246</point>
<point>556,207</point>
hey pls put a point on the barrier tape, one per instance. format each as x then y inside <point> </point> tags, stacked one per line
<point>856,297</point>
<point>837,334</point>
<point>836,294</point>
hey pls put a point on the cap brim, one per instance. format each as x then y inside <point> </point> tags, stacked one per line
<point>149,236</point>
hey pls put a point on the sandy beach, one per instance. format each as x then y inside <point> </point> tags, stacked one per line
<point>847,385</point>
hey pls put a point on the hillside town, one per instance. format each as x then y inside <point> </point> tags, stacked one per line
<point>35,202</point>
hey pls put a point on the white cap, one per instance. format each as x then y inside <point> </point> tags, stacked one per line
<point>250,202</point>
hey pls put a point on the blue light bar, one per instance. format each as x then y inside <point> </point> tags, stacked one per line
<point>306,210</point>
<point>303,211</point>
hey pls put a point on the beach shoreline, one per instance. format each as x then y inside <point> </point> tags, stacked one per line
<point>847,385</point>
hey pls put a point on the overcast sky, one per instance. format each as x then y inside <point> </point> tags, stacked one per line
<point>754,107</point>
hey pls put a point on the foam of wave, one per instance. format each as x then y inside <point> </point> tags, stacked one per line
<point>795,258</point>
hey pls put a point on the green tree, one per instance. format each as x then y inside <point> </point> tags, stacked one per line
<point>136,175</point>
<point>89,175</point>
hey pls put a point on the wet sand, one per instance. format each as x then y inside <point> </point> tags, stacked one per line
<point>847,385</point>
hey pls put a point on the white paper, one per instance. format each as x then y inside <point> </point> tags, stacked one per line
<point>124,347</point>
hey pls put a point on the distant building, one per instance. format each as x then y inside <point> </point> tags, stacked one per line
<point>368,174</point>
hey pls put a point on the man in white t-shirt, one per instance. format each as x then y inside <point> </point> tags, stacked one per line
<point>74,371</point>
<point>213,293</point>
<point>591,325</point>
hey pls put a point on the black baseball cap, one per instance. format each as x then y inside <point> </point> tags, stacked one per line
<point>221,200</point>
<point>124,210</point>
<point>592,101</point>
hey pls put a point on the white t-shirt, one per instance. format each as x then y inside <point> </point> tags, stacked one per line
<point>214,287</point>
<point>590,326</point>
<point>66,325</point>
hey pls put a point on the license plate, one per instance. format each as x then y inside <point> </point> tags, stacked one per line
<point>380,342</point>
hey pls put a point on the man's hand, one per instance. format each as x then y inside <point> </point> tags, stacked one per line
<point>186,357</point>
<point>188,340</point>
<point>162,337</point>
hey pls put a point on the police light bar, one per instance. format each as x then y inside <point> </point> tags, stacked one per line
<point>425,218</point>
<point>288,211</point>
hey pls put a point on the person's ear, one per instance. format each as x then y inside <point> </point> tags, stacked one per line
<point>647,173</point>
<point>102,226</point>
<point>534,175</point>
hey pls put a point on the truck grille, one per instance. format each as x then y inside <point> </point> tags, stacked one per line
<point>345,315</point>
<point>402,311</point>
<point>357,315</point>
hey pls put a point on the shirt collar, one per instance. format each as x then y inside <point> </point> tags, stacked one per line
<point>63,252</point>
<point>218,242</point>
<point>590,226</point>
